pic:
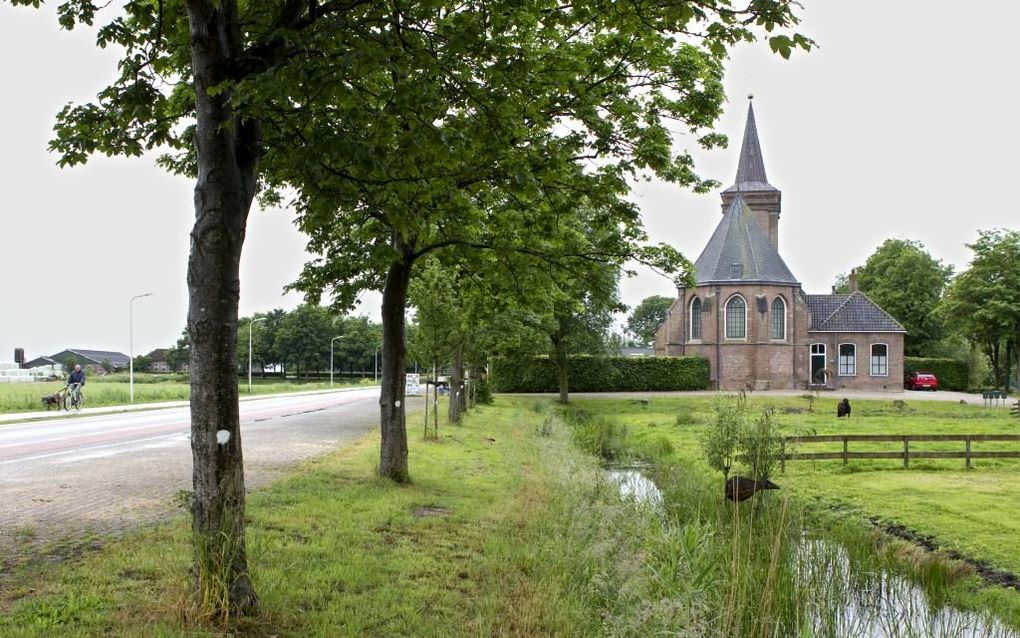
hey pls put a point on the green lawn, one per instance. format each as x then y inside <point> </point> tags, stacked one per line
<point>508,529</point>
<point>474,547</point>
<point>25,397</point>
<point>976,512</point>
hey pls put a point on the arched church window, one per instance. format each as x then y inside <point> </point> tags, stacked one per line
<point>778,318</point>
<point>696,319</point>
<point>736,318</point>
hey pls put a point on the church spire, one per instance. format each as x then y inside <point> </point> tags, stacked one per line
<point>764,199</point>
<point>751,168</point>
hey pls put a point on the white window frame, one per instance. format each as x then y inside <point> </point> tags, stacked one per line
<point>824,354</point>
<point>690,323</point>
<point>772,310</point>
<point>726,318</point>
<point>871,359</point>
<point>839,359</point>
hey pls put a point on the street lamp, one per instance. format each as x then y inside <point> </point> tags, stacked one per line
<point>250,324</point>
<point>377,362</point>
<point>331,358</point>
<point>131,344</point>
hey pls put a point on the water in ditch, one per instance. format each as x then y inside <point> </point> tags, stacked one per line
<point>845,601</point>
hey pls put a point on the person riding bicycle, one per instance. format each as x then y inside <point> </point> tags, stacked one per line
<point>76,378</point>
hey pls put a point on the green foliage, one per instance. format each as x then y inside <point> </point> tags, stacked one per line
<point>106,365</point>
<point>720,439</point>
<point>647,317</point>
<point>483,393</point>
<point>304,337</point>
<point>142,363</point>
<point>437,319</point>
<point>907,282</point>
<point>761,444</point>
<point>983,302</point>
<point>601,374</point>
<point>952,374</point>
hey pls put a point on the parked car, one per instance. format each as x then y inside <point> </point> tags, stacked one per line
<point>921,381</point>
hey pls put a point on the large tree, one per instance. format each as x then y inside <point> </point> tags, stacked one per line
<point>983,302</point>
<point>905,280</point>
<point>388,119</point>
<point>644,322</point>
<point>455,128</point>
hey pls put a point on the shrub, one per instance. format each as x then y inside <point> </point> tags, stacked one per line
<point>761,445</point>
<point>483,394</point>
<point>952,374</point>
<point>719,442</point>
<point>601,374</point>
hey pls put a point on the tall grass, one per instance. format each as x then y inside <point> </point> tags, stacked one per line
<point>766,567</point>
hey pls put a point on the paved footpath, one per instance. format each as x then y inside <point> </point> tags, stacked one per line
<point>107,473</point>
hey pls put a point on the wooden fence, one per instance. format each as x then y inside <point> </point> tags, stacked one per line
<point>905,440</point>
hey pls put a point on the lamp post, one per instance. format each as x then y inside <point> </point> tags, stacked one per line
<point>377,362</point>
<point>250,324</point>
<point>331,358</point>
<point>131,345</point>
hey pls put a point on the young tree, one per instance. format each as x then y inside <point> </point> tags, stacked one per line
<point>647,317</point>
<point>907,282</point>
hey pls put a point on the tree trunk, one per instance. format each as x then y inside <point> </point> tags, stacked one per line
<point>227,152</point>
<point>561,370</point>
<point>456,407</point>
<point>393,451</point>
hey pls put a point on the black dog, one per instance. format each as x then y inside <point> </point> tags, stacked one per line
<point>843,409</point>
<point>55,399</point>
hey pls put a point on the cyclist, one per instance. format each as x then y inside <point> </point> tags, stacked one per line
<point>75,381</point>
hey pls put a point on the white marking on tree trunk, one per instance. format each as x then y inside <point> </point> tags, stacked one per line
<point>222,437</point>
<point>396,404</point>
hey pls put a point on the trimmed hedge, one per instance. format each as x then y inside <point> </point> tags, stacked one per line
<point>601,374</point>
<point>952,374</point>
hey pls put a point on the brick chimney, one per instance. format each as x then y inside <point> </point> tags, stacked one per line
<point>853,281</point>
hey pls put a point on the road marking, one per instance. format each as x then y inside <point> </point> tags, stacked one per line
<point>48,455</point>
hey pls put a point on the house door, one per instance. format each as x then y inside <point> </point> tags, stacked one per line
<point>818,375</point>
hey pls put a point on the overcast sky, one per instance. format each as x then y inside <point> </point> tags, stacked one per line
<point>901,124</point>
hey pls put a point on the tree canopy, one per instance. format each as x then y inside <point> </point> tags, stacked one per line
<point>646,318</point>
<point>907,282</point>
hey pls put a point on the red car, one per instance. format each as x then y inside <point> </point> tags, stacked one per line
<point>921,381</point>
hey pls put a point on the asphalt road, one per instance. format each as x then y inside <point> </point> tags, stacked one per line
<point>106,473</point>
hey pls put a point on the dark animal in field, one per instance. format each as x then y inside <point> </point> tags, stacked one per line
<point>50,400</point>
<point>741,488</point>
<point>843,409</point>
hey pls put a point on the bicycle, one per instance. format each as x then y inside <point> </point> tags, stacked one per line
<point>73,398</point>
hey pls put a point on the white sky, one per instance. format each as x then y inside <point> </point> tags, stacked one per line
<point>900,125</point>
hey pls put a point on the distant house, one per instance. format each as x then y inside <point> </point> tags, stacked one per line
<point>38,362</point>
<point>93,358</point>
<point>158,362</point>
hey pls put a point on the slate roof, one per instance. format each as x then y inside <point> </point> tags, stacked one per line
<point>854,312</point>
<point>738,240</point>
<point>118,359</point>
<point>751,167</point>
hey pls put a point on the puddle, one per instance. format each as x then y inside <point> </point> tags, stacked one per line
<point>634,485</point>
<point>841,600</point>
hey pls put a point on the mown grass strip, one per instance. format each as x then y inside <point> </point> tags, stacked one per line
<point>465,550</point>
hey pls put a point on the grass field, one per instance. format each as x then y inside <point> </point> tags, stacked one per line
<point>24,397</point>
<point>976,512</point>
<point>510,529</point>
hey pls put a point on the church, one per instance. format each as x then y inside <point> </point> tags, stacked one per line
<point>748,315</point>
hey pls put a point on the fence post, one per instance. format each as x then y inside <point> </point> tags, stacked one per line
<point>906,452</point>
<point>968,451</point>
<point>846,454</point>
